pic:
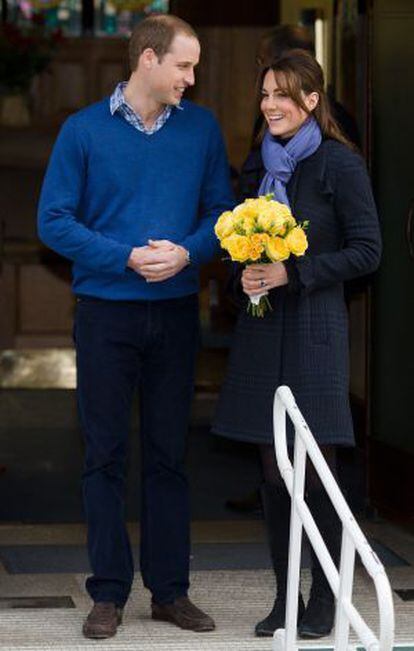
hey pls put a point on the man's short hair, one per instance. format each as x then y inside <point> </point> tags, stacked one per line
<point>156,32</point>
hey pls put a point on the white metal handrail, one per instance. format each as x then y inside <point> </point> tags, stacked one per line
<point>352,540</point>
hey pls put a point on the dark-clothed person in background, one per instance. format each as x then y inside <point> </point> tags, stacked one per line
<point>303,341</point>
<point>133,189</point>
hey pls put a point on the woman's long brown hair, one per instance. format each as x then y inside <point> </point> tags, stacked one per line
<point>297,71</point>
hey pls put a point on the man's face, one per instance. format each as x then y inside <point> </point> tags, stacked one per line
<point>169,77</point>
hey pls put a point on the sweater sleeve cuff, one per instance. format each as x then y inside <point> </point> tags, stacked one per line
<point>192,252</point>
<point>200,254</point>
<point>124,253</point>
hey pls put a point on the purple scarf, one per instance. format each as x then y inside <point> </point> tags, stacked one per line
<point>280,162</point>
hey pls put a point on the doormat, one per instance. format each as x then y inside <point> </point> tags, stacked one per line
<point>36,602</point>
<point>67,559</point>
<point>406,594</point>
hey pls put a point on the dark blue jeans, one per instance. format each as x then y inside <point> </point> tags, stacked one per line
<point>119,346</point>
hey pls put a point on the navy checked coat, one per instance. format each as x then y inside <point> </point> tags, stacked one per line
<point>303,342</point>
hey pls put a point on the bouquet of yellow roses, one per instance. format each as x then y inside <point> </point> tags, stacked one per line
<point>261,231</point>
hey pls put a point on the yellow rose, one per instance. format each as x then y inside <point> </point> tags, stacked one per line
<point>246,209</point>
<point>255,253</point>
<point>238,247</point>
<point>259,240</point>
<point>282,209</point>
<point>276,249</point>
<point>296,241</point>
<point>245,225</point>
<point>262,203</point>
<point>257,245</point>
<point>274,217</point>
<point>290,222</point>
<point>244,217</point>
<point>265,221</point>
<point>224,226</point>
<point>275,224</point>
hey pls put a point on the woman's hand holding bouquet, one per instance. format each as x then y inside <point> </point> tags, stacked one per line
<point>261,231</point>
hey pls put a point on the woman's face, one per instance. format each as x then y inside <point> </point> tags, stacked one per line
<point>283,116</point>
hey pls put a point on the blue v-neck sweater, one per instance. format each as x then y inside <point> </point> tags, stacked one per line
<point>110,187</point>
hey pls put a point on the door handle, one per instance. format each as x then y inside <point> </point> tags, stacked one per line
<point>409,230</point>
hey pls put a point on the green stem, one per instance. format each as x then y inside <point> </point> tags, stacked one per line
<point>261,308</point>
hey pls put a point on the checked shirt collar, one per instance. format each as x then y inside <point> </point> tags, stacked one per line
<point>119,104</point>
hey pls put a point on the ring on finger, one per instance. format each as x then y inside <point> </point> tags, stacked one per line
<point>262,283</point>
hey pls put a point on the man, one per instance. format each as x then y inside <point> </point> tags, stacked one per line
<point>134,186</point>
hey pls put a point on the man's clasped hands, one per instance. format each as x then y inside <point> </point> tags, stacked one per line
<point>158,260</point>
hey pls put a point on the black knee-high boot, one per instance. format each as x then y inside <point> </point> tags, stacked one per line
<point>276,508</point>
<point>319,615</point>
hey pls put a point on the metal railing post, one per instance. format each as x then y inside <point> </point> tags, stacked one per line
<point>346,578</point>
<point>295,543</point>
<point>352,540</point>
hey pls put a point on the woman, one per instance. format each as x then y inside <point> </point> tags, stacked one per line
<point>303,342</point>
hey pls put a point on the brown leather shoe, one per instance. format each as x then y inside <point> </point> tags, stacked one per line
<point>102,621</point>
<point>184,614</point>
